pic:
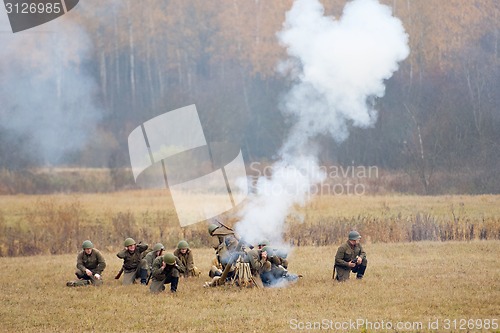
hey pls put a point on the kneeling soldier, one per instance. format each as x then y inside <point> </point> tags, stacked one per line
<point>134,266</point>
<point>185,255</point>
<point>350,257</point>
<point>166,269</point>
<point>90,264</point>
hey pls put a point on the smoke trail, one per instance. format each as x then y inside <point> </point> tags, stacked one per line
<point>46,94</point>
<point>338,67</point>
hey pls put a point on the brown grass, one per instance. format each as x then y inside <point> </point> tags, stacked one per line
<point>414,282</point>
<point>27,223</point>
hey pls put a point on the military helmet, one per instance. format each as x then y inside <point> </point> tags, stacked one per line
<point>158,247</point>
<point>129,241</point>
<point>269,250</point>
<point>169,258</point>
<point>354,235</point>
<point>211,228</point>
<point>264,242</point>
<point>282,253</point>
<point>183,245</point>
<point>87,245</point>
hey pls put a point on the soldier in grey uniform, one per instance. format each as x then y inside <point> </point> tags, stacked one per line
<point>350,257</point>
<point>134,266</point>
<point>151,256</point>
<point>90,264</point>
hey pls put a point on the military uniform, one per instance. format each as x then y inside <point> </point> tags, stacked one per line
<point>134,266</point>
<point>150,257</point>
<point>94,262</point>
<point>187,261</point>
<point>259,266</point>
<point>345,254</point>
<point>169,274</point>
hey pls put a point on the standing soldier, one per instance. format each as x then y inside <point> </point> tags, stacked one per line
<point>134,266</point>
<point>350,257</point>
<point>166,269</point>
<point>185,255</point>
<point>90,264</point>
<point>151,256</point>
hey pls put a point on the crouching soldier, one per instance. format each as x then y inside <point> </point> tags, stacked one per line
<point>350,257</point>
<point>259,266</point>
<point>279,275</point>
<point>151,256</point>
<point>134,266</point>
<point>90,264</point>
<point>185,255</point>
<point>166,269</point>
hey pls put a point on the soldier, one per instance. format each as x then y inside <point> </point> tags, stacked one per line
<point>259,266</point>
<point>350,257</point>
<point>90,264</point>
<point>226,244</point>
<point>134,266</point>
<point>185,255</point>
<point>263,243</point>
<point>151,256</point>
<point>166,269</point>
<point>279,275</point>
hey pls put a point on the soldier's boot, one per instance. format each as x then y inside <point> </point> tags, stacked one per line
<point>144,276</point>
<point>173,284</point>
<point>360,271</point>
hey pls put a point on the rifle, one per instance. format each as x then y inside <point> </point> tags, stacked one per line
<point>149,277</point>
<point>120,272</point>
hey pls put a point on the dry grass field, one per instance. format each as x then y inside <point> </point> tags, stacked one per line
<point>408,284</point>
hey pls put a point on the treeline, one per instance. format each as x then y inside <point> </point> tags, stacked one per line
<point>438,120</point>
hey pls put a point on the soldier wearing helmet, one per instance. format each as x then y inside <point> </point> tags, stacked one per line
<point>350,257</point>
<point>90,264</point>
<point>151,256</point>
<point>225,244</point>
<point>185,255</point>
<point>134,266</point>
<point>166,269</point>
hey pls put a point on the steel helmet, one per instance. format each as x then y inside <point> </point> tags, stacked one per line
<point>354,235</point>
<point>183,245</point>
<point>264,242</point>
<point>87,245</point>
<point>158,247</point>
<point>129,241</point>
<point>169,258</point>
<point>211,228</point>
<point>269,250</point>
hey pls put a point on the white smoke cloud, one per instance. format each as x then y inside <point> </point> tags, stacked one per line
<point>339,67</point>
<point>46,93</point>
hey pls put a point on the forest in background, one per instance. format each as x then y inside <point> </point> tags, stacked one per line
<point>437,124</point>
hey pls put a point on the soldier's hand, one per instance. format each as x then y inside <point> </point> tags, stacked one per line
<point>359,260</point>
<point>351,264</point>
<point>88,272</point>
<point>97,276</point>
<point>163,265</point>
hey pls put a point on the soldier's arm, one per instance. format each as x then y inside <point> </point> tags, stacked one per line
<point>121,254</point>
<point>79,262</point>
<point>142,247</point>
<point>180,265</point>
<point>157,269</point>
<point>190,261</point>
<point>339,258</point>
<point>101,263</point>
<point>149,260</point>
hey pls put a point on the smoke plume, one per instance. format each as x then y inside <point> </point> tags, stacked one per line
<point>45,91</point>
<point>338,68</point>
